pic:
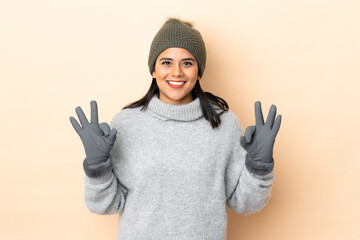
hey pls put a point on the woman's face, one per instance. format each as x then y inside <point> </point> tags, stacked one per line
<point>177,66</point>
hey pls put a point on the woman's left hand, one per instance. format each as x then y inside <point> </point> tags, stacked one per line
<point>259,140</point>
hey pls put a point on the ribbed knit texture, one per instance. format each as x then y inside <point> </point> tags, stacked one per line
<point>173,174</point>
<point>177,34</point>
<point>184,112</point>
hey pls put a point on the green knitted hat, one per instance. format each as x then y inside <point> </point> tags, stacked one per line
<point>178,33</point>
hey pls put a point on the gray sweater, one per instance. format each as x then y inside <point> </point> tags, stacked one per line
<point>173,174</point>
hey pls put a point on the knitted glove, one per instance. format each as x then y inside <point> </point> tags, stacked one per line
<point>97,140</point>
<point>259,141</point>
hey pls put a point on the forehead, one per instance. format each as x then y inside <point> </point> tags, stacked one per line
<point>175,52</point>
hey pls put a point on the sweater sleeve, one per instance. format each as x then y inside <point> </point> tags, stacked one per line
<point>246,193</point>
<point>106,194</point>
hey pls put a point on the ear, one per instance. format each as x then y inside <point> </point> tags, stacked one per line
<point>153,74</point>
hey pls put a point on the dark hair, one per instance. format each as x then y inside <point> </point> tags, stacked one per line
<point>206,99</point>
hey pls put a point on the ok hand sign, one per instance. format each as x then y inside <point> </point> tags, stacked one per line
<point>97,139</point>
<point>259,140</point>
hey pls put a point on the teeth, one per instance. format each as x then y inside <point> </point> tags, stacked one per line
<point>176,83</point>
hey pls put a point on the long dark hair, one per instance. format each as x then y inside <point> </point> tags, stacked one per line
<point>206,99</point>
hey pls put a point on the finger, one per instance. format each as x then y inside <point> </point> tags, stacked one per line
<point>271,116</point>
<point>249,132</point>
<point>82,117</point>
<point>112,135</point>
<point>75,125</point>
<point>94,113</point>
<point>261,168</point>
<point>277,124</point>
<point>243,142</point>
<point>258,115</point>
<point>105,128</point>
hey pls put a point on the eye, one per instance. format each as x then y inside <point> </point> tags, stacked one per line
<point>188,63</point>
<point>166,62</point>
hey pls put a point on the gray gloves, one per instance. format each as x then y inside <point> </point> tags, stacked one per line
<point>259,141</point>
<point>97,140</point>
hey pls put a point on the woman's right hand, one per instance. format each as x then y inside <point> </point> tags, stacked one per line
<point>96,138</point>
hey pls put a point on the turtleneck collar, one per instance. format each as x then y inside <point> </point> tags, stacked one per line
<point>184,112</point>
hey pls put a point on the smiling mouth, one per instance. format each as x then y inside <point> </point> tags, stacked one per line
<point>176,83</point>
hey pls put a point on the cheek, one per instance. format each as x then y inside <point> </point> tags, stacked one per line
<point>160,73</point>
<point>159,82</point>
<point>193,75</point>
<point>194,72</point>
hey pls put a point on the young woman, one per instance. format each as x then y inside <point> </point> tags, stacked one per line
<point>172,161</point>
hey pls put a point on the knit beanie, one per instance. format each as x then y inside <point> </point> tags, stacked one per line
<point>178,33</point>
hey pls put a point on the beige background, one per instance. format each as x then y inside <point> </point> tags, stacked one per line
<point>302,56</point>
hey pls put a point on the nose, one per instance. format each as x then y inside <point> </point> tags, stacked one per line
<point>176,70</point>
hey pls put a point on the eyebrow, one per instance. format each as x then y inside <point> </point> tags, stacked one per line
<point>184,59</point>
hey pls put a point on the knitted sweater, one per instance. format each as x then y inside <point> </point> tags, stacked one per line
<point>173,174</point>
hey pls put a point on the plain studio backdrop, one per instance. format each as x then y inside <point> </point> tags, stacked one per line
<point>303,56</point>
